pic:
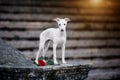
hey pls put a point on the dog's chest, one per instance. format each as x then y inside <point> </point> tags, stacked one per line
<point>60,38</point>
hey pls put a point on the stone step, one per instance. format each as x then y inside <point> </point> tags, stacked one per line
<point>96,63</point>
<point>104,74</point>
<point>53,72</point>
<point>59,10</point>
<point>48,17</point>
<point>24,44</point>
<point>6,25</point>
<point>52,3</point>
<point>104,53</point>
<point>34,35</point>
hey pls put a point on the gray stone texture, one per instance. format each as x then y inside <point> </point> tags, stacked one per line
<point>11,56</point>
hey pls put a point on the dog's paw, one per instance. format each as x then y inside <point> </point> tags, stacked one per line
<point>36,61</point>
<point>55,62</point>
<point>64,62</point>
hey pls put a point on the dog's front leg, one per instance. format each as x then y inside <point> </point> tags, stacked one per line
<point>37,55</point>
<point>63,53</point>
<point>54,53</point>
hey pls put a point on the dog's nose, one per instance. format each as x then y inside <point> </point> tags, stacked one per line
<point>62,30</point>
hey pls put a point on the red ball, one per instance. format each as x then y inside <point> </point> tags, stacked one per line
<point>41,63</point>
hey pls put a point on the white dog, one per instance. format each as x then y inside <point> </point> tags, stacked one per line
<point>57,36</point>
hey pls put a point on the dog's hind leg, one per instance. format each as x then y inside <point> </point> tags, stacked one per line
<point>37,55</point>
<point>47,43</point>
<point>40,50</point>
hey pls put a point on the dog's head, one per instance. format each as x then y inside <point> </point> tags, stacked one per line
<point>62,23</point>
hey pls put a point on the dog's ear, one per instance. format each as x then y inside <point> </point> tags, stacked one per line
<point>56,19</point>
<point>67,19</point>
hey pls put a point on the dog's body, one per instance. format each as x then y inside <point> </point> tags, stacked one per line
<point>57,36</point>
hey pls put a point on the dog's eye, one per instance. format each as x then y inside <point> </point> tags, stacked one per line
<point>64,24</point>
<point>59,24</point>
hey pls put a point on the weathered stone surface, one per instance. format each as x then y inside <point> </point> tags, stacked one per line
<point>54,72</point>
<point>11,56</point>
